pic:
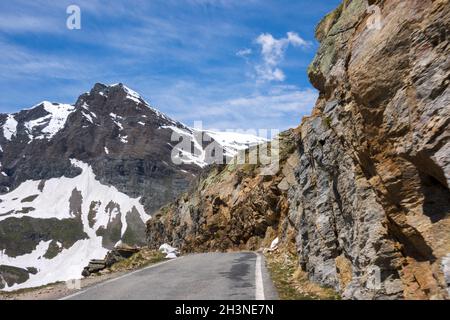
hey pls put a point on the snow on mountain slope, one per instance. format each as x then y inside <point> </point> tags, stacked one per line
<point>137,98</point>
<point>67,265</point>
<point>49,125</point>
<point>231,142</point>
<point>235,141</point>
<point>10,127</point>
<point>61,190</point>
<point>84,197</point>
<point>196,154</point>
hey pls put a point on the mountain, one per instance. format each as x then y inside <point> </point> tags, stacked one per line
<point>363,196</point>
<point>76,180</point>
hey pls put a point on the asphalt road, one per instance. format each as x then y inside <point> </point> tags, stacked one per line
<point>211,276</point>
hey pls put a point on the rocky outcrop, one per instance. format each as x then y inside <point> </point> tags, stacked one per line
<point>112,257</point>
<point>369,201</point>
<point>10,276</point>
<point>373,200</point>
<point>230,207</point>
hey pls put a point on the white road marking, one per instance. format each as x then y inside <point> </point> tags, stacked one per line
<point>115,279</point>
<point>259,280</point>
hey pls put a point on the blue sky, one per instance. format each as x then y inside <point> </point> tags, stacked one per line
<point>233,64</point>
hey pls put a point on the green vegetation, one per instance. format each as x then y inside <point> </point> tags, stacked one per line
<point>327,122</point>
<point>141,259</point>
<point>292,283</point>
<point>19,236</point>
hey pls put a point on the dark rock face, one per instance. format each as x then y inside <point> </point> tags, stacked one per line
<point>119,254</point>
<point>12,275</point>
<point>94,266</point>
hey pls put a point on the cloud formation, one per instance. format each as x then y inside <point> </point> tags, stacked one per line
<point>273,51</point>
<point>193,59</point>
<point>244,52</point>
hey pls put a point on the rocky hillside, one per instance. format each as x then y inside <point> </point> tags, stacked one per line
<point>368,201</point>
<point>76,180</point>
<point>232,207</point>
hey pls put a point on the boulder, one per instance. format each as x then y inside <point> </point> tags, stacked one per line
<point>119,254</point>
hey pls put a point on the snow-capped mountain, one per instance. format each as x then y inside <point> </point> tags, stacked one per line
<point>76,180</point>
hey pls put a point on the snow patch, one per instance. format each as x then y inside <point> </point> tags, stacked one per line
<point>235,141</point>
<point>10,127</point>
<point>446,270</point>
<point>231,142</point>
<point>274,244</point>
<point>196,156</point>
<point>49,125</point>
<point>67,265</point>
<point>58,191</point>
<point>88,117</point>
<point>115,118</point>
<point>123,139</point>
<point>169,251</point>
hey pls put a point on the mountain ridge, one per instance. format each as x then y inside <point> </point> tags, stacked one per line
<point>77,180</point>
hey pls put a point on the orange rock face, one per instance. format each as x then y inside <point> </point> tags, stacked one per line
<point>384,98</point>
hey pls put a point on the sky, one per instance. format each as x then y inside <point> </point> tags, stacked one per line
<point>232,64</point>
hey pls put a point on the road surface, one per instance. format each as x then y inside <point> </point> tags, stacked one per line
<point>210,276</point>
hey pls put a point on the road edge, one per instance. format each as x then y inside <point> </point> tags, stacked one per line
<point>115,279</point>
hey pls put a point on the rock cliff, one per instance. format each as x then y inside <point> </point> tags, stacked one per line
<point>230,207</point>
<point>373,198</point>
<point>365,193</point>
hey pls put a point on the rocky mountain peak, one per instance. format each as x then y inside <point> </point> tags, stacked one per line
<point>118,100</point>
<point>105,164</point>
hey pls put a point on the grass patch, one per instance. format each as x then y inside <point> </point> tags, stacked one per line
<point>293,284</point>
<point>139,260</point>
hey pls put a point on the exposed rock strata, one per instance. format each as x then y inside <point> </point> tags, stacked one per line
<point>370,199</point>
<point>229,207</point>
<point>374,173</point>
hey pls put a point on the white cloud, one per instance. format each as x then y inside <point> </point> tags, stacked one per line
<point>272,107</point>
<point>278,101</point>
<point>273,52</point>
<point>244,52</point>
